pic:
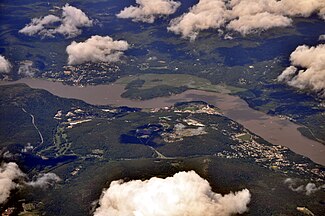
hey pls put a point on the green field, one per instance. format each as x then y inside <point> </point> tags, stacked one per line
<point>178,80</point>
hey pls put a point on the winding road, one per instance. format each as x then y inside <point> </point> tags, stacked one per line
<point>33,122</point>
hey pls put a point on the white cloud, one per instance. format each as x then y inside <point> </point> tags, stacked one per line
<point>322,37</point>
<point>312,188</point>
<point>186,194</point>
<point>301,7</point>
<point>283,7</point>
<point>45,180</point>
<point>243,16</point>
<point>311,72</point>
<point>11,177</point>
<point>9,172</point>
<point>96,49</point>
<point>39,26</point>
<point>287,74</point>
<point>26,68</point>
<point>71,20</point>
<point>5,65</point>
<point>250,23</point>
<point>309,189</point>
<point>149,10</point>
<point>204,15</point>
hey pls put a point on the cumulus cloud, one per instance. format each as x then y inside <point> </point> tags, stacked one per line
<point>186,193</point>
<point>11,177</point>
<point>26,68</point>
<point>250,23</point>
<point>288,74</point>
<point>9,173</point>
<point>248,15</point>
<point>72,19</point>
<point>243,16</point>
<point>204,15</point>
<point>307,71</point>
<point>301,7</point>
<point>96,49</point>
<point>149,10</point>
<point>44,180</point>
<point>70,22</point>
<point>39,26</point>
<point>309,189</point>
<point>5,65</point>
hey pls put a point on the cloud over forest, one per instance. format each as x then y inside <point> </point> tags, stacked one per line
<point>11,177</point>
<point>68,24</point>
<point>243,16</point>
<point>5,65</point>
<point>185,193</point>
<point>44,180</point>
<point>149,10</point>
<point>9,174</point>
<point>96,49</point>
<point>308,189</point>
<point>307,70</point>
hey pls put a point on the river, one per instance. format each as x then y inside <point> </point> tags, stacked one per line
<point>274,129</point>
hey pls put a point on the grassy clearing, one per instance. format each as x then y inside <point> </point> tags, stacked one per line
<point>245,137</point>
<point>178,80</point>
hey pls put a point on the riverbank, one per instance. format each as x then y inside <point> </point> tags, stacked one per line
<point>276,130</point>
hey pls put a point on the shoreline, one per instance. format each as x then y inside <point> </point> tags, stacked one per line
<point>276,130</point>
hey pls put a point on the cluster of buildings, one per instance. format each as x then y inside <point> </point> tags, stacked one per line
<point>274,157</point>
<point>88,73</point>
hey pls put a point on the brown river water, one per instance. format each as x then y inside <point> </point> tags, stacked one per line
<point>272,128</point>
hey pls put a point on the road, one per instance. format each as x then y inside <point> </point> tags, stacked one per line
<point>33,122</point>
